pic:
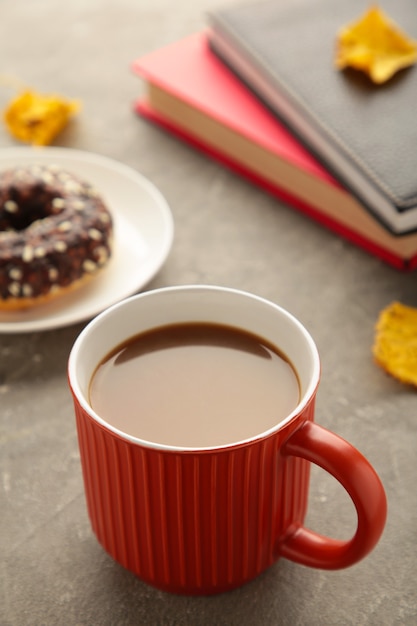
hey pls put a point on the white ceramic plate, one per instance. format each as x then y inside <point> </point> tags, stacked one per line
<point>143,233</point>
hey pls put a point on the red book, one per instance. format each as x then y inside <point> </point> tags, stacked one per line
<point>193,95</point>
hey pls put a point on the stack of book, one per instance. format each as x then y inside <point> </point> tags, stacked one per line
<point>258,92</point>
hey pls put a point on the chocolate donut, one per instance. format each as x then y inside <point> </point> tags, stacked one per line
<point>55,232</point>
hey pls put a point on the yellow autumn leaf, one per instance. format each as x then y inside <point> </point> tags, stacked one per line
<point>375,45</point>
<point>37,119</point>
<point>395,345</point>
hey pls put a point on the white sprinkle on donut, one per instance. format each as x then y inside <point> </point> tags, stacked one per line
<point>65,226</point>
<point>58,203</point>
<point>16,273</point>
<point>14,289</point>
<point>40,252</point>
<point>101,254</point>
<point>89,266</point>
<point>53,274</point>
<point>47,178</point>
<point>72,187</point>
<point>94,234</point>
<point>11,206</point>
<point>27,290</point>
<point>27,254</point>
<point>60,246</point>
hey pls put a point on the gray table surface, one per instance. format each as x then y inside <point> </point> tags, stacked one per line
<point>52,570</point>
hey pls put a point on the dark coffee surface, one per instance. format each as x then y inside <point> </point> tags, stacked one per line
<point>194,385</point>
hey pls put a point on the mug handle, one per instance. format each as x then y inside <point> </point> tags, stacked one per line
<point>338,457</point>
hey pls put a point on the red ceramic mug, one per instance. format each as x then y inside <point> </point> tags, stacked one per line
<point>206,520</point>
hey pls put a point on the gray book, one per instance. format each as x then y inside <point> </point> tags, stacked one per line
<point>365,134</point>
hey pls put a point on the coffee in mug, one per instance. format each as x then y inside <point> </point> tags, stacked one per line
<point>195,384</point>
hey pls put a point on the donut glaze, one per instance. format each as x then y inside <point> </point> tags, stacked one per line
<point>55,232</point>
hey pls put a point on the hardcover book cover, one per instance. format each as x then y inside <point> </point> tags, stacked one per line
<point>365,134</point>
<point>189,92</point>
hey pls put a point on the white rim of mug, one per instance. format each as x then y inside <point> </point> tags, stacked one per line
<point>304,401</point>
